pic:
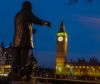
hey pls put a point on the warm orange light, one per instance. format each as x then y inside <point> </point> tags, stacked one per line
<point>7,66</point>
<point>83,66</point>
<point>68,66</point>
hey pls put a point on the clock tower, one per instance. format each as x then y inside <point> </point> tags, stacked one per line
<point>61,50</point>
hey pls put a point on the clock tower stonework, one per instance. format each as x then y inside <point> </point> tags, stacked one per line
<point>61,51</point>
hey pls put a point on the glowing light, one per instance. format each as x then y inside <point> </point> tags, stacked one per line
<point>76,67</point>
<point>7,66</point>
<point>72,66</point>
<point>60,69</point>
<point>60,38</point>
<point>68,66</point>
<point>66,39</point>
<point>79,66</point>
<point>4,74</point>
<point>87,67</point>
<point>1,74</point>
<point>93,69</point>
<point>56,67</point>
<point>62,34</point>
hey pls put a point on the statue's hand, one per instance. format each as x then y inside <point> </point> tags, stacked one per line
<point>49,24</point>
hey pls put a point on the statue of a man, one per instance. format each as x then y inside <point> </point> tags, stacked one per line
<point>23,37</point>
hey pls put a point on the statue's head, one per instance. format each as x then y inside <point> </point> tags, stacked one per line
<point>27,6</point>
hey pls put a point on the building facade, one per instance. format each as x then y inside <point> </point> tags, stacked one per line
<point>84,69</point>
<point>7,57</point>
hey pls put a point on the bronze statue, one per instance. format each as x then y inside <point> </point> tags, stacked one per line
<point>23,37</point>
<point>23,26</point>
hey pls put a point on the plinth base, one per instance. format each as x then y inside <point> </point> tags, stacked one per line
<point>31,81</point>
<point>15,79</point>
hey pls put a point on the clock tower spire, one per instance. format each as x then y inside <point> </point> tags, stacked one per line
<point>62,27</point>
<point>61,50</point>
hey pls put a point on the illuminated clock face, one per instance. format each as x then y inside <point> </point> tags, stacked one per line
<point>60,39</point>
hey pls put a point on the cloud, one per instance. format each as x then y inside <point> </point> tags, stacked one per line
<point>87,19</point>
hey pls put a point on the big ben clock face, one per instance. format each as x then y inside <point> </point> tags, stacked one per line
<point>60,38</point>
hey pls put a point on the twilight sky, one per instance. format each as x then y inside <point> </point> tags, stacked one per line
<point>82,23</point>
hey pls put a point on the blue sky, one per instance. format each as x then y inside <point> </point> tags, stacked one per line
<point>82,23</point>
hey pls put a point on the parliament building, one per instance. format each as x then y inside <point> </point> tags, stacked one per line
<point>80,68</point>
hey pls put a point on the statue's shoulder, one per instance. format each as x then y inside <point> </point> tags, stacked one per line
<point>18,14</point>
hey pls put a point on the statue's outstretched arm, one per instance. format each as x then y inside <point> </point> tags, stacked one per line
<point>38,21</point>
